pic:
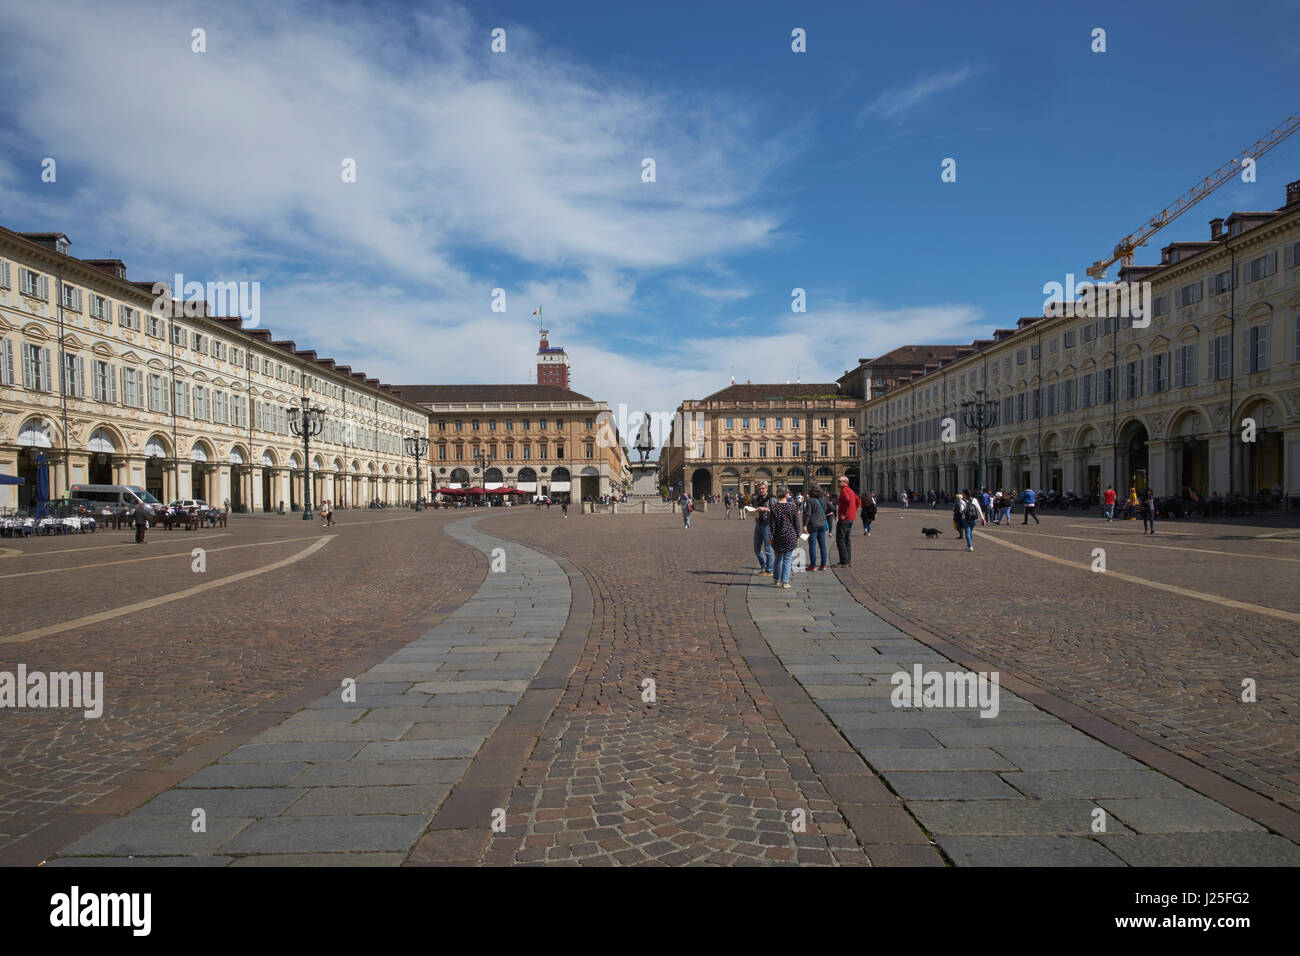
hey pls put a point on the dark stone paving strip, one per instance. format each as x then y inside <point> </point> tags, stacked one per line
<point>877,817</point>
<point>341,782</point>
<point>1248,803</point>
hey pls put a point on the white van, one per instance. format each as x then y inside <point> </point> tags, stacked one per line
<point>113,497</point>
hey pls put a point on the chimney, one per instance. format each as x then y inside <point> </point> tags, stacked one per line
<point>1293,192</point>
<point>1216,229</point>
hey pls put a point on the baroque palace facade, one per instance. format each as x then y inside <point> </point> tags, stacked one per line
<point>185,406</point>
<point>540,439</point>
<point>1204,399</point>
<point>727,442</point>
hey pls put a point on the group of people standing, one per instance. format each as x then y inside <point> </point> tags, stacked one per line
<point>781,521</point>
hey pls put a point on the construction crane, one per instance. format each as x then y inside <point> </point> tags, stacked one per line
<point>1125,248</point>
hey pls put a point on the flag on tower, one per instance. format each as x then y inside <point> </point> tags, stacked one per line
<point>537,311</point>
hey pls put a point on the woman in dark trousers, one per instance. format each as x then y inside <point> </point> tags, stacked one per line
<point>868,513</point>
<point>1148,509</point>
<point>814,521</point>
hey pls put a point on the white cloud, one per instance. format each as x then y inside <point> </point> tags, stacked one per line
<point>895,102</point>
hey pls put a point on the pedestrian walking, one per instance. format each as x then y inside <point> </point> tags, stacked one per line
<point>1108,503</point>
<point>1030,500</point>
<point>1148,508</point>
<point>903,498</point>
<point>762,530</point>
<point>141,518</point>
<point>726,504</point>
<point>814,522</point>
<point>564,507</point>
<point>687,508</point>
<point>966,513</point>
<point>783,520</point>
<point>846,512</point>
<point>869,510</point>
<point>1132,509</point>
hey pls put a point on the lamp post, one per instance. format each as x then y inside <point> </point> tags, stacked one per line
<point>482,462</point>
<point>873,442</point>
<point>417,446</point>
<point>981,414</point>
<point>307,422</point>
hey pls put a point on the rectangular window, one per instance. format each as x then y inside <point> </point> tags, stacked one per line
<point>528,452</point>
<point>4,275</point>
<point>100,307</point>
<point>1133,379</point>
<point>1020,356</point>
<point>559,424</point>
<point>1160,304</point>
<point>103,382</point>
<point>1221,283</point>
<point>589,424</point>
<point>825,450</point>
<point>1159,372</point>
<point>219,350</point>
<point>460,425</point>
<point>36,368</point>
<point>541,424</point>
<point>1107,385</point>
<point>34,284</point>
<point>776,423</point>
<point>794,423</point>
<point>591,451</point>
<point>442,424</point>
<point>460,452</point>
<point>492,424</point>
<point>1255,348</point>
<point>128,318</point>
<point>71,298</point>
<point>153,326</point>
<point>178,334</point>
<point>1090,331</point>
<point>1220,358</point>
<point>200,403</point>
<point>6,362</point>
<point>1262,267</point>
<point>1189,294</point>
<point>526,423</point>
<point>1069,340</point>
<point>731,449</point>
<point>74,370</point>
<point>510,424</point>
<point>559,452</point>
<point>442,452</point>
<point>132,388</point>
<point>1008,408</point>
<point>780,449</point>
<point>794,449</point>
<point>1088,398</point>
<point>731,423</point>
<point>744,423</point>
<point>473,424</point>
<point>762,423</point>
<point>1295,353</point>
<point>1185,366</point>
<point>1051,399</point>
<point>1020,407</point>
<point>853,449</point>
<point>762,449</point>
<point>744,449</point>
<point>1052,345</point>
<point>1068,390</point>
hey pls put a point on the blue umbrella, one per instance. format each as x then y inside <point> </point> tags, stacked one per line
<point>42,485</point>
<point>11,480</point>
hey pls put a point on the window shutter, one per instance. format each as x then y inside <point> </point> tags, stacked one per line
<point>1265,333</point>
<point>45,287</point>
<point>45,370</point>
<point>4,273</point>
<point>1288,258</point>
<point>1243,366</point>
<point>1272,262</point>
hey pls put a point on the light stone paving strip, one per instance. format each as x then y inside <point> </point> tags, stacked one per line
<point>342,783</point>
<point>1020,788</point>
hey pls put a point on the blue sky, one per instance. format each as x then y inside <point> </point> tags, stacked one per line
<point>522,170</point>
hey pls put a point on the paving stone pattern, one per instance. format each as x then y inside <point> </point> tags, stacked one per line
<point>1020,788</point>
<point>342,783</point>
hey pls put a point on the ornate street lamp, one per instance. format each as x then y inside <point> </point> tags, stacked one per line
<point>482,462</point>
<point>307,422</point>
<point>980,414</point>
<point>417,446</point>
<point>873,444</point>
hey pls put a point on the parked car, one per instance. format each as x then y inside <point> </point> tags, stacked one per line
<point>188,504</point>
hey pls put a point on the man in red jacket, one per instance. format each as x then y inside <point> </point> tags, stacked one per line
<point>847,512</point>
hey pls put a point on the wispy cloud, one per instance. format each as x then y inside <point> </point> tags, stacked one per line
<point>896,102</point>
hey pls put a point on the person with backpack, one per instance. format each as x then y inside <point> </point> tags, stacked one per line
<point>687,508</point>
<point>814,521</point>
<point>1148,509</point>
<point>869,511</point>
<point>966,513</point>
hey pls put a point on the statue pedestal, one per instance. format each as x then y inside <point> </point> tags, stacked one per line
<point>645,481</point>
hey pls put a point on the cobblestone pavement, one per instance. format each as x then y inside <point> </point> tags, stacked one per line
<point>997,781</point>
<point>707,773</point>
<point>353,778</point>
<point>185,681</point>
<point>1165,666</point>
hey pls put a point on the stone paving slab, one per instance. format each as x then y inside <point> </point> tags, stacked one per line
<point>1020,788</point>
<point>355,782</point>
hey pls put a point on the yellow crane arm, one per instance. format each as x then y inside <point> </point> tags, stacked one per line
<point>1124,249</point>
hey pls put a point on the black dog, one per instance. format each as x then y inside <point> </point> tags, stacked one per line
<point>930,532</point>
